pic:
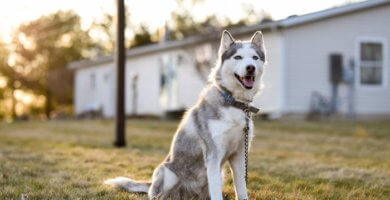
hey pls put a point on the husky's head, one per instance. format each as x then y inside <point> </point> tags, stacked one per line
<point>240,65</point>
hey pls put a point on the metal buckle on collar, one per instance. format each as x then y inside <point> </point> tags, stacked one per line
<point>247,113</point>
<point>246,108</point>
<point>229,99</point>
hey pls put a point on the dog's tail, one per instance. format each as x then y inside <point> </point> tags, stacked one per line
<point>129,184</point>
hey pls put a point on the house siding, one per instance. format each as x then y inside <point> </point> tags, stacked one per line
<point>270,99</point>
<point>189,81</point>
<point>308,46</point>
<point>100,96</point>
<point>148,85</point>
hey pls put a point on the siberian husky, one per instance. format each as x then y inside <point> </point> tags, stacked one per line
<point>211,132</point>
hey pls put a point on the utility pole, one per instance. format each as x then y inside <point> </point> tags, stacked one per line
<point>120,75</point>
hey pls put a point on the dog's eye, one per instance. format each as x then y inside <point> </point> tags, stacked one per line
<point>255,58</point>
<point>237,57</point>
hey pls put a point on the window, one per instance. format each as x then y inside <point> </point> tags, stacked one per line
<point>168,82</point>
<point>371,62</point>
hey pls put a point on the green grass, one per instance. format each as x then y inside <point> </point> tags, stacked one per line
<point>288,159</point>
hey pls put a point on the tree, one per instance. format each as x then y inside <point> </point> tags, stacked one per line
<point>183,24</point>
<point>11,78</point>
<point>4,53</point>
<point>105,30</point>
<point>141,37</point>
<point>44,47</point>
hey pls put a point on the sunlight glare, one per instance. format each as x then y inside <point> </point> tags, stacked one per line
<point>3,82</point>
<point>152,13</point>
<point>24,97</point>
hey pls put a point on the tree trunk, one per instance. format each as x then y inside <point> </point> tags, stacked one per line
<point>48,103</point>
<point>13,106</point>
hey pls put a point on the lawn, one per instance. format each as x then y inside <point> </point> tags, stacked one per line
<point>288,159</point>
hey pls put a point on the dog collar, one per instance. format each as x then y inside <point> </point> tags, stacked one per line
<point>229,100</point>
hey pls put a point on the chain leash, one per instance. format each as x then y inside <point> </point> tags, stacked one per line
<point>246,132</point>
<point>248,110</point>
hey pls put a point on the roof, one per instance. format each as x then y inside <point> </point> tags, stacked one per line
<point>284,23</point>
<point>332,12</point>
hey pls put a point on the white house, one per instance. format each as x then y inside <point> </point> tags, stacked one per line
<point>168,76</point>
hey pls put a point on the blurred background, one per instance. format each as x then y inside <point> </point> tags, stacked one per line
<point>325,58</point>
<point>323,131</point>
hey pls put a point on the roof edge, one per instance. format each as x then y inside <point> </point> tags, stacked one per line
<point>274,25</point>
<point>331,12</point>
<point>163,46</point>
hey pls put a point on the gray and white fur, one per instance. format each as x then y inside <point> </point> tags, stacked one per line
<point>211,132</point>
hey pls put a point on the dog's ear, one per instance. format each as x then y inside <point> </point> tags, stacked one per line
<point>226,41</point>
<point>257,39</point>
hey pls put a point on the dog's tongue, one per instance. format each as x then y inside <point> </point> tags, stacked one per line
<point>248,81</point>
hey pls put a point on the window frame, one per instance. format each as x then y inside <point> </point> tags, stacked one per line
<point>385,66</point>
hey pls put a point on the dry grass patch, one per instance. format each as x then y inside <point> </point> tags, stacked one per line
<point>288,160</point>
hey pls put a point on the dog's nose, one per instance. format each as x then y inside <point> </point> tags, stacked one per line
<point>250,68</point>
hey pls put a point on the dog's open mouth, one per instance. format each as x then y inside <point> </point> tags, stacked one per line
<point>247,81</point>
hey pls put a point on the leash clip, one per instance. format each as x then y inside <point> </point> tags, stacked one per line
<point>229,99</point>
